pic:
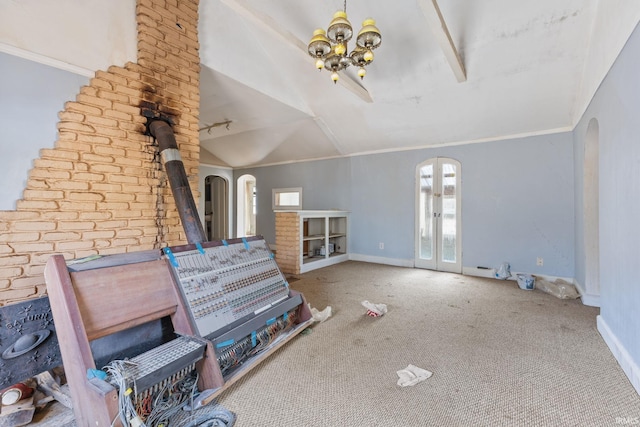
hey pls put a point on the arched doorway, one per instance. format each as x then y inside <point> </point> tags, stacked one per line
<point>246,203</point>
<point>438,241</point>
<point>591,208</point>
<point>216,210</point>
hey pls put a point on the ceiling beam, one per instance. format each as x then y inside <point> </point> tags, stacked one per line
<point>439,27</point>
<point>267,23</point>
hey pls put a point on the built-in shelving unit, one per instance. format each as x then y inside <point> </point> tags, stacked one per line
<point>320,239</point>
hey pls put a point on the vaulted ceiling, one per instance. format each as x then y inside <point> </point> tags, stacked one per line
<point>518,68</point>
<point>530,68</point>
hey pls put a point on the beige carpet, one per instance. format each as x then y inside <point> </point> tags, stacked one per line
<point>500,356</point>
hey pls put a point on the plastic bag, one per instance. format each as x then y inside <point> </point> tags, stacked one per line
<point>320,316</point>
<point>526,281</point>
<point>559,288</point>
<point>504,271</point>
<point>374,310</point>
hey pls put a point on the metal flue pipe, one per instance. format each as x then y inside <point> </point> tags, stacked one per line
<point>178,181</point>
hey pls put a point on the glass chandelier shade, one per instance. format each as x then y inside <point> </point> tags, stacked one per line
<point>330,47</point>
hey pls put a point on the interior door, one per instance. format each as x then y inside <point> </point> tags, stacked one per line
<point>438,222</point>
<point>216,208</point>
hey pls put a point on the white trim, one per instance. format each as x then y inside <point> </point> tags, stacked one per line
<point>316,213</point>
<point>587,299</point>
<point>591,300</point>
<point>208,165</point>
<point>420,147</point>
<point>275,200</point>
<point>546,277</point>
<point>437,222</point>
<point>382,260</point>
<point>626,362</point>
<point>36,57</point>
<point>323,262</point>
<point>479,272</point>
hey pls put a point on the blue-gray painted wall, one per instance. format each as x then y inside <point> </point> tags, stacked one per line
<point>31,95</point>
<point>616,106</point>
<point>517,200</point>
<point>325,184</point>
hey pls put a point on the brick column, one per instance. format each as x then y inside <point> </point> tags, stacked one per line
<point>288,242</point>
<point>102,189</point>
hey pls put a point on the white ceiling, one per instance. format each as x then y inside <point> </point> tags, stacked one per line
<point>531,68</point>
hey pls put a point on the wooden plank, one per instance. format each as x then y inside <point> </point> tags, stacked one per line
<point>53,415</point>
<point>18,414</point>
<point>89,408</point>
<point>50,387</point>
<point>437,24</point>
<point>304,313</point>
<point>210,376</point>
<point>117,298</point>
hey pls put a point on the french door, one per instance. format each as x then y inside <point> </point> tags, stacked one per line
<point>438,222</point>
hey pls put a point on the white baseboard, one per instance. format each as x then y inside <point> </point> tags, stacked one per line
<point>479,272</point>
<point>382,260</point>
<point>548,278</point>
<point>626,362</point>
<point>587,299</point>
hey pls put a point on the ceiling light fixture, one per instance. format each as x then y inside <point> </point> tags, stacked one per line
<point>330,47</point>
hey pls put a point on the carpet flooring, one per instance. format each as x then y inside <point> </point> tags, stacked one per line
<point>500,356</point>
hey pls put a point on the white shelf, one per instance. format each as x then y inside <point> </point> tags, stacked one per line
<point>327,229</point>
<point>313,237</point>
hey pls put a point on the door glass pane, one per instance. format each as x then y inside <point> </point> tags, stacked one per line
<point>426,212</point>
<point>449,212</point>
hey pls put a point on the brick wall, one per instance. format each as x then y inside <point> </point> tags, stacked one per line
<point>102,188</point>
<point>288,242</point>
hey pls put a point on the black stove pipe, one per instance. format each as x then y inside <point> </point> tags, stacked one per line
<point>178,181</point>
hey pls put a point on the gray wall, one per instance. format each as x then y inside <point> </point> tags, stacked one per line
<point>31,95</point>
<point>517,200</point>
<point>517,203</point>
<point>325,185</point>
<point>616,106</point>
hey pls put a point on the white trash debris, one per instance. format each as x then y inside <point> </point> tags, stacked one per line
<point>412,375</point>
<point>526,281</point>
<point>374,310</point>
<point>504,272</point>
<point>320,316</point>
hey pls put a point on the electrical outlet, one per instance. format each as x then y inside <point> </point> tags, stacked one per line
<point>381,245</point>
<point>539,262</point>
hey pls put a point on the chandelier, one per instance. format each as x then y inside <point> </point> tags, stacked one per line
<point>330,47</point>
